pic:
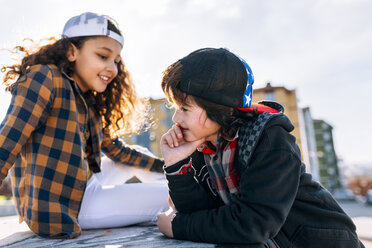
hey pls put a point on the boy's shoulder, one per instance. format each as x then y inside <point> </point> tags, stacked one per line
<point>251,132</point>
<point>269,123</point>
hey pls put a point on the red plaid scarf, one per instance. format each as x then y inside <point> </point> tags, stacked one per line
<point>223,175</point>
<point>220,164</point>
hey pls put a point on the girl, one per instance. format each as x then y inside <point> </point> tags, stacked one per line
<point>234,170</point>
<point>69,99</point>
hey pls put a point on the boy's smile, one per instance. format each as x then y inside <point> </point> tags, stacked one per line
<point>195,124</point>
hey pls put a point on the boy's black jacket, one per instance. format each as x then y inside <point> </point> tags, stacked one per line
<point>277,199</point>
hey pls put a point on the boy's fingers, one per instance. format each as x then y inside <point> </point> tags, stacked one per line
<point>178,131</point>
<point>173,136</point>
<point>167,139</point>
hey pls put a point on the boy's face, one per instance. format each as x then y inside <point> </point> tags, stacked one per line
<point>96,63</point>
<point>194,123</point>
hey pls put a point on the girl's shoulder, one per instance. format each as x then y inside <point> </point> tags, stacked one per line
<point>45,69</point>
<point>42,73</point>
<point>42,76</point>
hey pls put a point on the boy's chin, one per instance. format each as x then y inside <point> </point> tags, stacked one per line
<point>190,139</point>
<point>187,138</point>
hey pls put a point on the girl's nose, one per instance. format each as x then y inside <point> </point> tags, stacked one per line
<point>112,67</point>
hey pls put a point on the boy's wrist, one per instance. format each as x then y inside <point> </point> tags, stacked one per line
<point>175,167</point>
<point>168,163</point>
<point>178,226</point>
<point>172,161</point>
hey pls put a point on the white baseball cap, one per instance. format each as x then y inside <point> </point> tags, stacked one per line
<point>90,24</point>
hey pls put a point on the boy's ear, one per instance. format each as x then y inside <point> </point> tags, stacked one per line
<point>231,111</point>
<point>71,53</point>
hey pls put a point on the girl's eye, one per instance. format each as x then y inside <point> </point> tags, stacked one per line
<point>183,109</point>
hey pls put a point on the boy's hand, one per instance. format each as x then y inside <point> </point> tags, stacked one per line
<point>165,222</point>
<point>174,148</point>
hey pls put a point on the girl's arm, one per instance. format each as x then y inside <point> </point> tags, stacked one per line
<point>31,102</point>
<point>119,152</point>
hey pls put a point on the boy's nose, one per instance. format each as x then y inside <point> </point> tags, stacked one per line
<point>175,117</point>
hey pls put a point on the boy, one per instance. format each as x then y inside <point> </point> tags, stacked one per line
<point>234,170</point>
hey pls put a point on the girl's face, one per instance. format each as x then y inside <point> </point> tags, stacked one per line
<point>194,123</point>
<point>96,63</point>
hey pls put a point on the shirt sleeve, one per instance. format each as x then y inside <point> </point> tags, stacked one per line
<point>120,152</point>
<point>180,168</point>
<point>188,186</point>
<point>30,104</point>
<point>267,191</point>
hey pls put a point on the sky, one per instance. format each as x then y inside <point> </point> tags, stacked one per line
<point>320,48</point>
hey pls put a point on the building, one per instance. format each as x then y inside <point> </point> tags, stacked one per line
<point>162,121</point>
<point>329,175</point>
<point>309,143</point>
<point>288,99</point>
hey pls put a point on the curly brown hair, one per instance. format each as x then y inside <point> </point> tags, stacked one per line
<point>120,107</point>
<point>228,118</point>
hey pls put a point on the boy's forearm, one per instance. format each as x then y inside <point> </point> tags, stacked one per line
<point>220,226</point>
<point>186,192</point>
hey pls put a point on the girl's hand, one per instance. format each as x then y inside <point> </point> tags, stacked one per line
<point>165,222</point>
<point>174,148</point>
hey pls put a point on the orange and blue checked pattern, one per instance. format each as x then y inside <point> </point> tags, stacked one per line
<point>42,140</point>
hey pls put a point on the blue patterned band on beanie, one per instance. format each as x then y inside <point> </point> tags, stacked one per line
<point>248,90</point>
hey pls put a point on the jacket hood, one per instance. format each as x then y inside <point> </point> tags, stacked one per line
<point>280,119</point>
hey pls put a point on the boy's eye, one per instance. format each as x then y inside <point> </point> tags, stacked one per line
<point>183,109</point>
<point>103,57</point>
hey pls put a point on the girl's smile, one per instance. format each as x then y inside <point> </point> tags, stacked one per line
<point>96,63</point>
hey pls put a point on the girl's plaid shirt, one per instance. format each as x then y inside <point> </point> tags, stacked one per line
<point>42,137</point>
